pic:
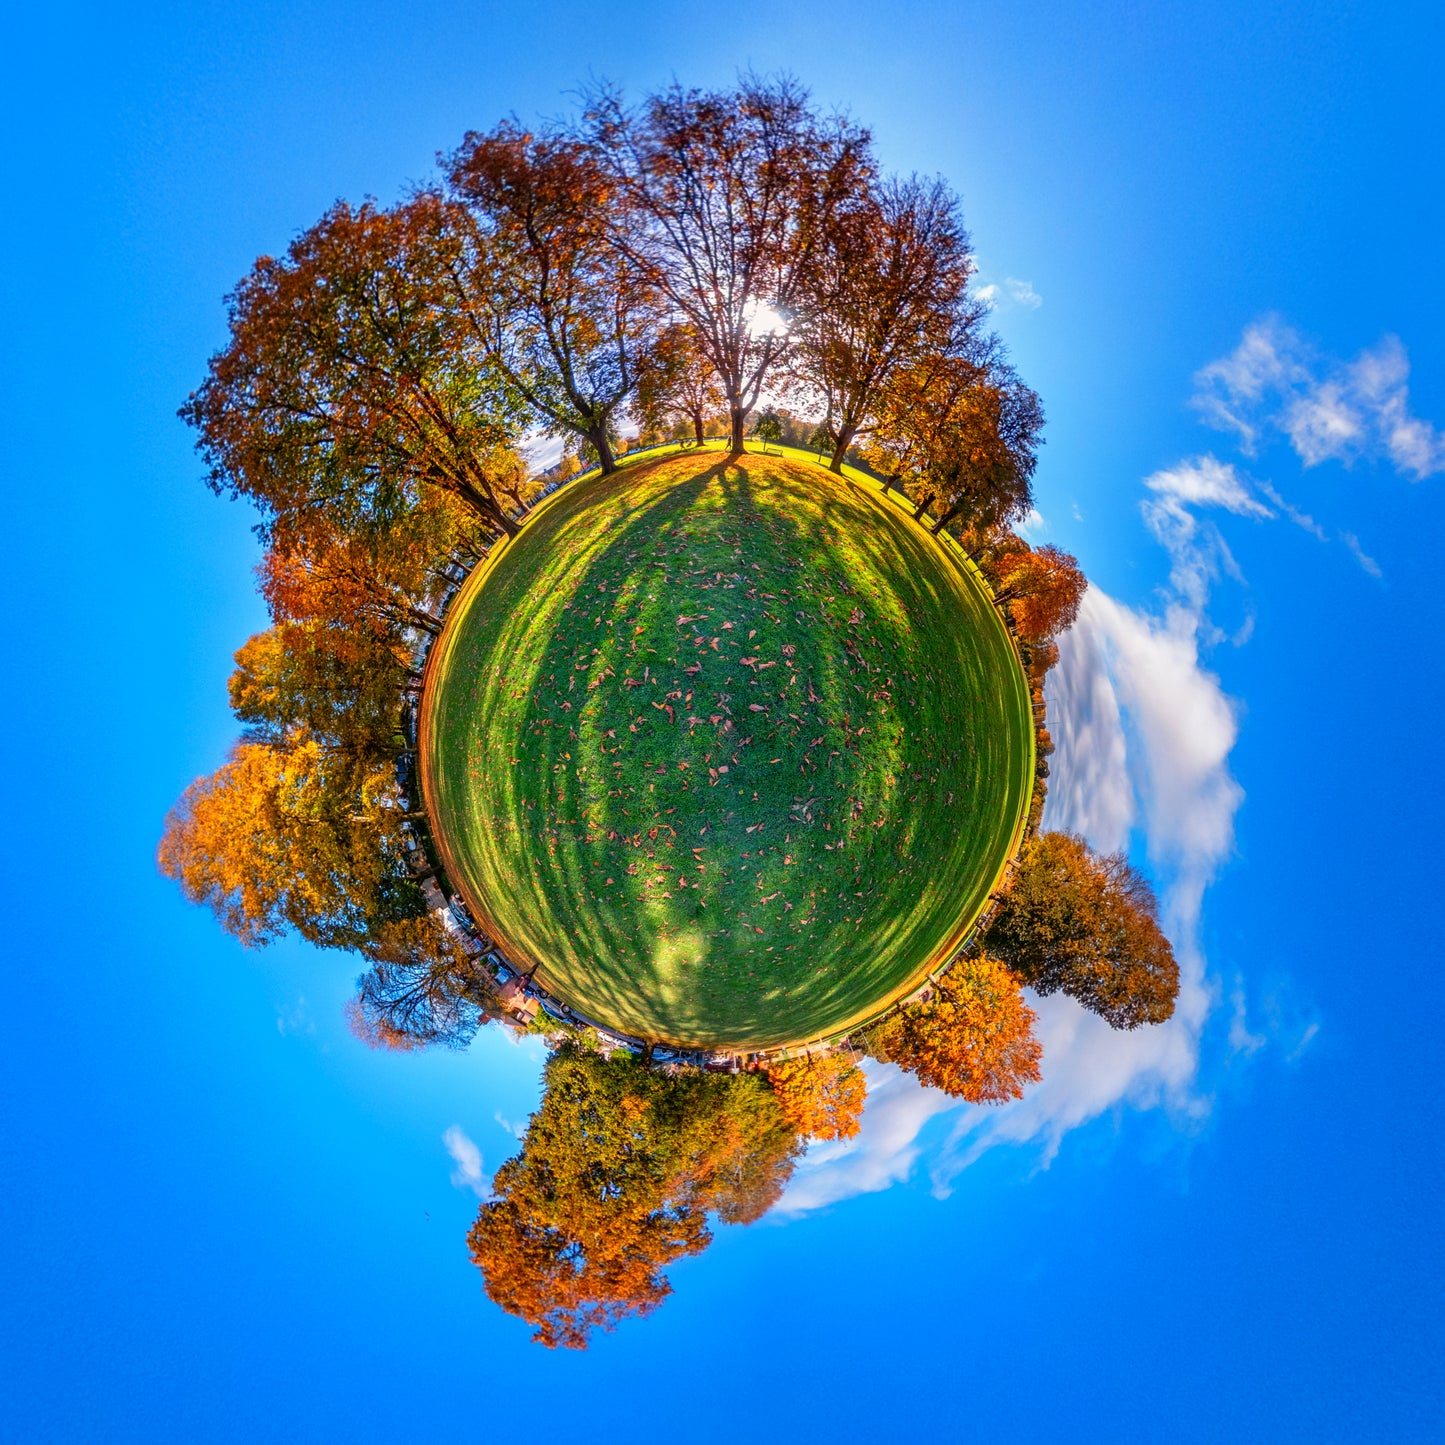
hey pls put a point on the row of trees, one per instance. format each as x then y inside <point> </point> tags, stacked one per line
<point>660,263</point>
<point>379,378</point>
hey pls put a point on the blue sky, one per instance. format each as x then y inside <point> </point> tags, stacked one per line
<point>1214,234</point>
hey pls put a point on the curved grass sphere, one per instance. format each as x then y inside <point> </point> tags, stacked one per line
<point>729,749</point>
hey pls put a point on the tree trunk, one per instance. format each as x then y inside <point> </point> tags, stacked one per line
<point>888,484</point>
<point>483,504</point>
<point>697,428</point>
<point>948,516</point>
<point>845,440</point>
<point>922,507</point>
<point>737,420</point>
<point>600,444</point>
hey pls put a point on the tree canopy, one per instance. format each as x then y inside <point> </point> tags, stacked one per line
<point>1087,925</point>
<point>354,378</point>
<point>1043,587</point>
<point>565,310</point>
<point>724,199</point>
<point>972,1037</point>
<point>886,286</point>
<point>619,1169</point>
<point>821,1096</point>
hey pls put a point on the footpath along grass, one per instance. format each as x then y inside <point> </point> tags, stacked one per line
<point>728,749</point>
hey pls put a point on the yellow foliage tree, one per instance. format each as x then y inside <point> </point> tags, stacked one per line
<point>287,838</point>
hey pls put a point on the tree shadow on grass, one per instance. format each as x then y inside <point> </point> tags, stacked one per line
<point>636,608</point>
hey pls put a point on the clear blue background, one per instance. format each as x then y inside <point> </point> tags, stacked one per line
<point>218,1226</point>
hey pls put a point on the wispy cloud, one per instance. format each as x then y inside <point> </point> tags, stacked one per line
<point>297,1019</point>
<point>883,1153</point>
<point>1034,525</point>
<point>1020,293</point>
<point>1278,1017</point>
<point>1361,556</point>
<point>1241,1039</point>
<point>1023,292</point>
<point>1329,410</point>
<point>468,1159</point>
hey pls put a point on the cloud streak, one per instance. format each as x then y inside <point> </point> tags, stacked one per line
<point>1274,382</point>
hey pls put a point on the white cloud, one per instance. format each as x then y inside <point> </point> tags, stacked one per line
<point>468,1158</point>
<point>1023,292</point>
<point>1034,525</point>
<point>297,1019</point>
<point>1361,556</point>
<point>1328,409</point>
<point>1019,293</point>
<point>1205,482</point>
<point>883,1153</point>
<point>1241,1039</point>
<point>1197,550</point>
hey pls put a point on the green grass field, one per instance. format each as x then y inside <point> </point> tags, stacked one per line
<point>729,749</point>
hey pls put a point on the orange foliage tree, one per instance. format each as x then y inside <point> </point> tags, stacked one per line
<point>973,1038</point>
<point>888,285</point>
<point>1043,587</point>
<point>354,379</point>
<point>821,1096</point>
<point>565,313</point>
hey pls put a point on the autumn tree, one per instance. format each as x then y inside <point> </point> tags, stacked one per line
<point>353,379</point>
<point>886,285</point>
<point>338,686</point>
<point>297,838</point>
<point>1088,926</point>
<point>972,1037</point>
<point>983,464</point>
<point>618,1171</point>
<point>1043,587</point>
<point>723,200</point>
<point>676,385</point>
<point>960,432</point>
<point>564,310</point>
<point>421,989</point>
<point>821,1096</point>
